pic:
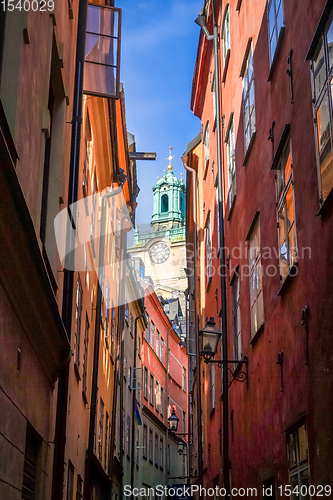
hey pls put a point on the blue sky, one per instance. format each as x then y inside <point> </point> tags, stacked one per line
<point>158,52</point>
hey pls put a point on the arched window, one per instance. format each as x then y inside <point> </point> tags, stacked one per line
<point>165,203</point>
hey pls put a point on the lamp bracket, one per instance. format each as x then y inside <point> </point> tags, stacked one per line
<point>185,436</point>
<point>239,374</point>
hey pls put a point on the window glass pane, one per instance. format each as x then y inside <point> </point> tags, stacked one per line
<point>251,94</point>
<point>325,149</point>
<point>330,44</point>
<point>271,19</point>
<point>273,44</point>
<point>303,444</point>
<point>99,79</point>
<point>246,113</point>
<point>319,72</point>
<point>101,49</point>
<point>292,450</point>
<point>290,207</point>
<point>252,119</point>
<point>102,21</point>
<point>250,67</point>
<point>260,306</point>
<point>279,17</point>
<point>294,484</point>
<point>245,86</point>
<point>304,479</point>
<point>287,168</point>
<point>323,123</point>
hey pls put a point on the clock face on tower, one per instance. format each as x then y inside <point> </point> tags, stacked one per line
<point>159,252</point>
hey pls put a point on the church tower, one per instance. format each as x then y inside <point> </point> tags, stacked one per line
<point>169,201</point>
<point>161,251</point>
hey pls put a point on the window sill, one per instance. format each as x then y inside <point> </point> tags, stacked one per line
<point>248,151</point>
<point>276,54</point>
<point>226,64</point>
<point>77,373</point>
<point>257,335</point>
<point>326,204</point>
<point>292,273</point>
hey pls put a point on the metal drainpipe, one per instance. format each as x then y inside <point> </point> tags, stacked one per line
<point>133,401</point>
<point>68,284</point>
<point>225,427</point>
<point>99,297</point>
<point>197,356</point>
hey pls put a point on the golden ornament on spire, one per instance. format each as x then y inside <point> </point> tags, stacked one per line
<point>170,158</point>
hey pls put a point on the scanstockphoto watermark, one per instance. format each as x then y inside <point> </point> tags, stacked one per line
<point>90,236</point>
<point>186,492</point>
<point>269,261</point>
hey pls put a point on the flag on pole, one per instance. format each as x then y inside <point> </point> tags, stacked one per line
<point>137,413</point>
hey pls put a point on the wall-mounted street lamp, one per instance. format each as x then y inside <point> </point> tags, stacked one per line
<point>173,421</point>
<point>209,338</point>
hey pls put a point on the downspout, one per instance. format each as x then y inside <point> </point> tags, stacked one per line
<point>133,397</point>
<point>68,284</point>
<point>99,298</point>
<point>197,355</point>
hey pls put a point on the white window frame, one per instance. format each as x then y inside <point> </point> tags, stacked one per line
<point>231,161</point>
<point>274,28</point>
<point>248,101</point>
<point>255,279</point>
<point>226,33</point>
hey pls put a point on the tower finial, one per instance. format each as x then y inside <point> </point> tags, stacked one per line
<point>170,158</point>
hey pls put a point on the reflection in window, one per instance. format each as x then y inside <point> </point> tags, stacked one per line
<point>286,214</point>
<point>226,34</point>
<point>256,295</point>
<point>248,101</point>
<point>101,67</point>
<point>322,73</point>
<point>275,23</point>
<point>231,164</point>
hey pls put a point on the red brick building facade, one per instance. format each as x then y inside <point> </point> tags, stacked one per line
<point>276,118</point>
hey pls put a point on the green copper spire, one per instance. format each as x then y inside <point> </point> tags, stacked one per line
<point>169,200</point>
